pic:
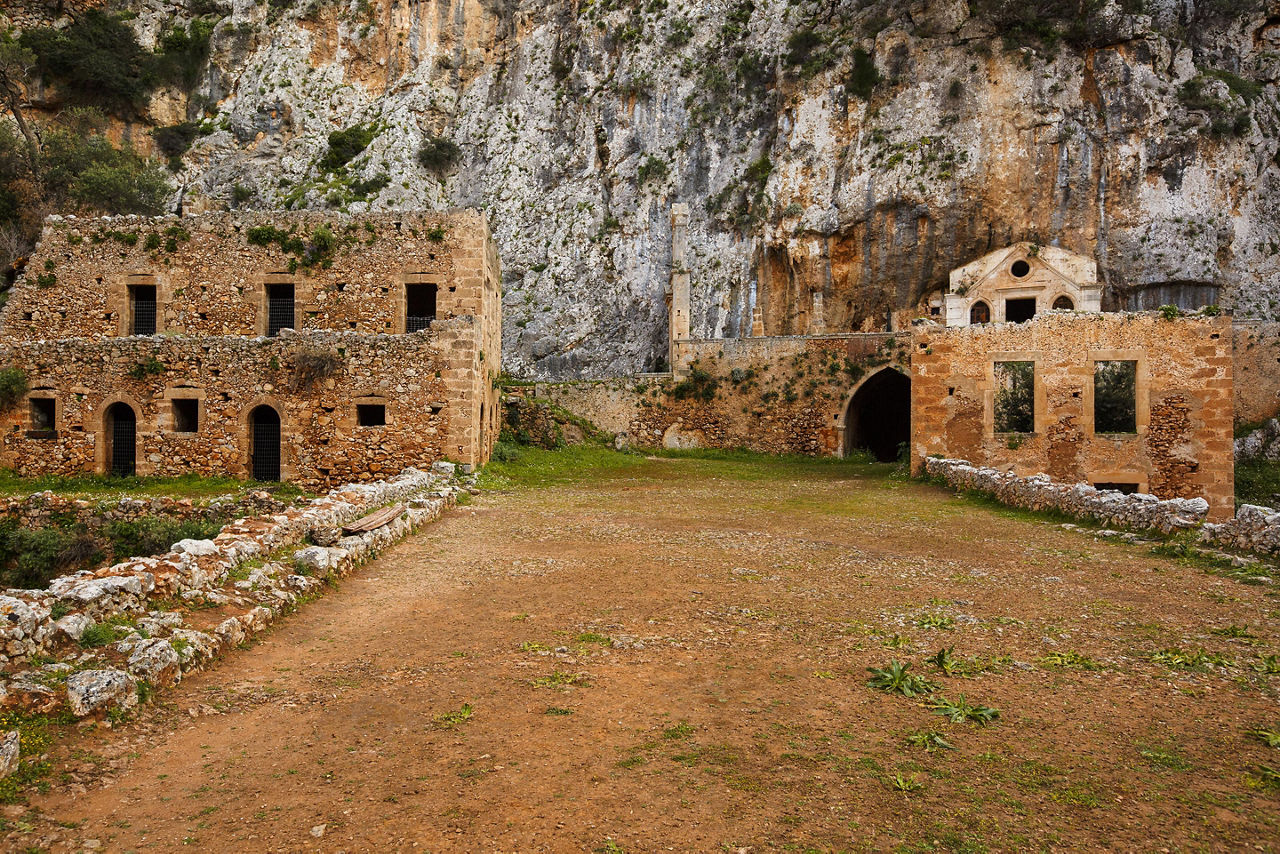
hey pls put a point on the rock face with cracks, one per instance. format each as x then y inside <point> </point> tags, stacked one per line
<point>859,151</point>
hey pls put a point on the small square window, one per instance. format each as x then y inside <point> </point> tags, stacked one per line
<point>186,415</point>
<point>371,414</point>
<point>43,410</point>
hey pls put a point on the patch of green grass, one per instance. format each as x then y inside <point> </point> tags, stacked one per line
<point>684,729</point>
<point>1257,482</point>
<point>1164,757</point>
<point>536,468</point>
<point>1069,660</point>
<point>561,679</point>
<point>1181,659</point>
<point>556,711</point>
<point>1233,631</point>
<point>449,720</point>
<point>1269,737</point>
<point>111,486</point>
<point>935,621</point>
<point>593,637</point>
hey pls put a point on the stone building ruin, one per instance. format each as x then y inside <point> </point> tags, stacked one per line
<point>314,348</point>
<point>1014,365</point>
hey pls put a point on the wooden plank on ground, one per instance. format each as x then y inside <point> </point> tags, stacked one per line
<point>374,521</point>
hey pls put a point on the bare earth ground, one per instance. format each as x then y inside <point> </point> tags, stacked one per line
<point>729,708</point>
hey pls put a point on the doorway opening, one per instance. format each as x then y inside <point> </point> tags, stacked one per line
<point>120,424</point>
<point>879,416</point>
<point>264,459</point>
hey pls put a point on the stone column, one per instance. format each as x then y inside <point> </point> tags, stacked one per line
<point>679,296</point>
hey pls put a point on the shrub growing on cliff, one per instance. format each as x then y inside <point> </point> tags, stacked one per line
<point>863,76</point>
<point>346,145</point>
<point>96,60</point>
<point>13,385</point>
<point>439,155</point>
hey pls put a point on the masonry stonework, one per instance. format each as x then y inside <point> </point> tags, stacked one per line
<point>357,394</point>
<point>1183,400</point>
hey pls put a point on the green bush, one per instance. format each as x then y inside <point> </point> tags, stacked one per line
<point>31,557</point>
<point>864,76</point>
<point>152,535</point>
<point>439,155</point>
<point>81,165</point>
<point>174,140</point>
<point>95,61</point>
<point>346,145</point>
<point>184,53</point>
<point>13,385</point>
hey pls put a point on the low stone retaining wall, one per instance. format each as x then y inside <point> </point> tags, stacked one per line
<point>1079,500</point>
<point>1255,529</point>
<point>241,567</point>
<point>40,509</point>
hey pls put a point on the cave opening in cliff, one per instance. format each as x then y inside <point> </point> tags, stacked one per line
<point>879,416</point>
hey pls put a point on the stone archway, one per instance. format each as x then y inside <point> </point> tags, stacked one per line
<point>878,419</point>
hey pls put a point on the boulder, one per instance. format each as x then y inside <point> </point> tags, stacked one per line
<point>73,626</point>
<point>91,691</point>
<point>156,661</point>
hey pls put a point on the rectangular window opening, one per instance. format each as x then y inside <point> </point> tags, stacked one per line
<point>43,411</point>
<point>280,309</point>
<point>1115,397</point>
<point>371,414</point>
<point>419,306</point>
<point>1020,310</point>
<point>1015,400</point>
<point>186,415</point>
<point>142,305</point>
<point>1126,488</point>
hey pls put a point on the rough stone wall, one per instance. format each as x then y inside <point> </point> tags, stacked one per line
<point>229,376</point>
<point>773,395</point>
<point>1256,350</point>
<point>210,280</point>
<point>1182,447</point>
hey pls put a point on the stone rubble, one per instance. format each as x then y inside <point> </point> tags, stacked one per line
<point>242,566</point>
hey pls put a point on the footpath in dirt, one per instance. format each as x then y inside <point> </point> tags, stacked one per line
<point>673,654</point>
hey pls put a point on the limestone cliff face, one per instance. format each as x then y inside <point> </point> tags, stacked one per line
<point>857,150</point>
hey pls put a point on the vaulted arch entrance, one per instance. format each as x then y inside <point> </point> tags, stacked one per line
<point>879,416</point>
<point>120,427</point>
<point>264,451</point>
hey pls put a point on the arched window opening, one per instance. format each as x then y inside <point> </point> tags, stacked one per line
<point>980,313</point>
<point>1064,303</point>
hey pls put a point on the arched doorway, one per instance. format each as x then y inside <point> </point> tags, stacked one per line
<point>879,416</point>
<point>264,436</point>
<point>120,426</point>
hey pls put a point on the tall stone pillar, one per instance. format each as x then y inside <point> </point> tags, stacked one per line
<point>817,319</point>
<point>679,297</point>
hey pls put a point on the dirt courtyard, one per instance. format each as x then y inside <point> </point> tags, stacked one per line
<point>672,654</point>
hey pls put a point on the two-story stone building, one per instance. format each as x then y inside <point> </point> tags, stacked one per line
<point>308,347</point>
